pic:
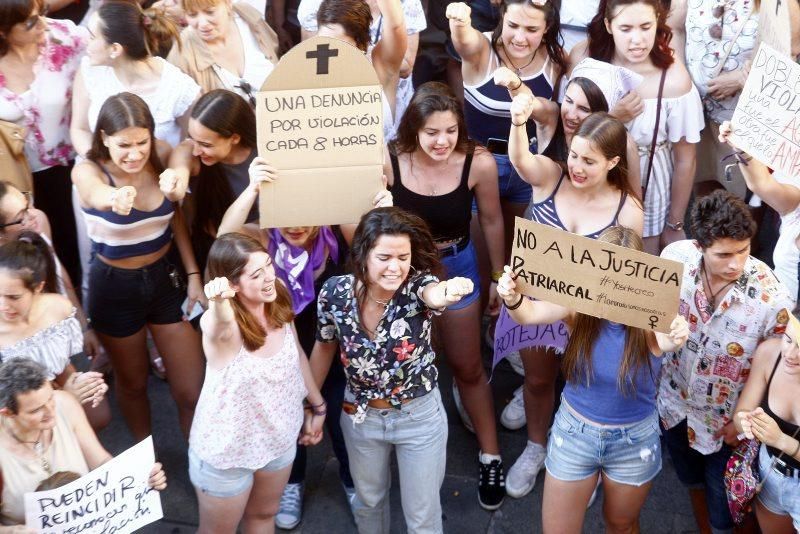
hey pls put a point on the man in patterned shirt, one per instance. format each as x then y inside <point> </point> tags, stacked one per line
<point>732,302</point>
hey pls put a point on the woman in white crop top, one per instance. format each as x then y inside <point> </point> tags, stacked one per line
<point>250,412</point>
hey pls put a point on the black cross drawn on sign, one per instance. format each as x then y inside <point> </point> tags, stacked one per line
<point>322,55</point>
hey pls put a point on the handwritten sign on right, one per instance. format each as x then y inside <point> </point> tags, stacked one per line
<point>596,278</point>
<point>766,121</point>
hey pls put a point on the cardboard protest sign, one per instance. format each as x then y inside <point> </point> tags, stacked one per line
<point>320,123</point>
<point>766,121</point>
<point>774,25</point>
<point>595,278</point>
<point>510,336</point>
<point>114,497</point>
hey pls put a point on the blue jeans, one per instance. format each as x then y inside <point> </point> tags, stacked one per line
<point>225,483</point>
<point>780,494</point>
<point>577,449</point>
<point>418,435</point>
<point>698,470</point>
<point>512,187</point>
<point>465,264</point>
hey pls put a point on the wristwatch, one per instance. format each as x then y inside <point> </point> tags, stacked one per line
<point>678,226</point>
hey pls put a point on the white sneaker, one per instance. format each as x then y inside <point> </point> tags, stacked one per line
<point>515,360</point>
<point>461,411</point>
<point>522,475</point>
<point>290,510</point>
<point>513,415</point>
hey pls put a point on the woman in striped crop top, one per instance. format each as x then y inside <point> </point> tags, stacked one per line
<point>526,42</point>
<point>133,281</point>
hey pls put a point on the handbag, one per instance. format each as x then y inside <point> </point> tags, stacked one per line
<point>743,478</point>
<point>12,156</point>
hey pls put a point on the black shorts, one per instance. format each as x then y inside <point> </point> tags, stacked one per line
<point>122,301</point>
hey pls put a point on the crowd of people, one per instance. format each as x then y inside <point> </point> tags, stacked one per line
<point>129,233</point>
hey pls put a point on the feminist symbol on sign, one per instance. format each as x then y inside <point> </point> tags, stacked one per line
<point>653,321</point>
<point>322,55</point>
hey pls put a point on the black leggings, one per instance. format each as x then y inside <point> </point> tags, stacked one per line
<point>52,193</point>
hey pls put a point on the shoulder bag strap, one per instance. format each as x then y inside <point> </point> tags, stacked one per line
<point>655,134</point>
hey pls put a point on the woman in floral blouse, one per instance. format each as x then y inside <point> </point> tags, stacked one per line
<point>38,60</point>
<point>381,317</point>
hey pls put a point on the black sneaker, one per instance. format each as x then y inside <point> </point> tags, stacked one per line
<point>491,484</point>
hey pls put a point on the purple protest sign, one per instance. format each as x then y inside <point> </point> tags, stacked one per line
<point>510,336</point>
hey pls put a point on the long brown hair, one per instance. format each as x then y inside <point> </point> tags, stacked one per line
<point>609,136</point>
<point>354,16</point>
<point>228,257</point>
<point>428,99</point>
<point>391,221</point>
<point>601,42</point>
<point>577,361</point>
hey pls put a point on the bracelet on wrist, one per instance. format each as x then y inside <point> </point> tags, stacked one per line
<point>743,158</point>
<point>496,276</point>
<point>319,413</point>
<point>516,304</point>
<point>520,124</point>
<point>519,84</point>
<point>193,272</point>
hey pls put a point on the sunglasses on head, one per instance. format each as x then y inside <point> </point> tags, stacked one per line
<point>33,20</point>
<point>248,89</point>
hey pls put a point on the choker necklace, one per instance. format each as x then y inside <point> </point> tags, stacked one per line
<point>38,447</point>
<point>713,300</point>
<point>518,70</point>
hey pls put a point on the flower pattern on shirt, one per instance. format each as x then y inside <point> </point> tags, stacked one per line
<point>46,106</point>
<point>701,382</point>
<point>398,363</point>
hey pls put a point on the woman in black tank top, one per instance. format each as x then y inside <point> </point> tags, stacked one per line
<point>769,411</point>
<point>434,171</point>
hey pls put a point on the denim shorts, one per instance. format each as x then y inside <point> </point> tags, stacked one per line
<point>223,483</point>
<point>122,301</point>
<point>512,187</point>
<point>465,264</point>
<point>780,494</point>
<point>628,454</point>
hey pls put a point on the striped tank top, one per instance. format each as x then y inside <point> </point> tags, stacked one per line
<point>117,236</point>
<point>487,106</point>
<point>545,212</point>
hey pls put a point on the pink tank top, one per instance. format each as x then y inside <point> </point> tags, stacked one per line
<point>250,411</point>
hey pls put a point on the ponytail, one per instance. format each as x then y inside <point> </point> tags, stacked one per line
<point>141,33</point>
<point>32,260</point>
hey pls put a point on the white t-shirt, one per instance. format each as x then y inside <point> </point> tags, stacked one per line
<point>175,93</point>
<point>574,15</point>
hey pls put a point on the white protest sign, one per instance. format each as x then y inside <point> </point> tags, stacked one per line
<point>595,278</point>
<point>766,122</point>
<point>774,25</point>
<point>115,497</point>
<point>320,124</point>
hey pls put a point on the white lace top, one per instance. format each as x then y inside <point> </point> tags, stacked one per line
<point>52,346</point>
<point>250,411</point>
<point>175,93</point>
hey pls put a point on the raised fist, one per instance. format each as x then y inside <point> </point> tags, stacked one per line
<point>219,289</point>
<point>459,14</point>
<point>122,200</point>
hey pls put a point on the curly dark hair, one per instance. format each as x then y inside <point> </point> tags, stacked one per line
<point>721,215</point>
<point>391,221</point>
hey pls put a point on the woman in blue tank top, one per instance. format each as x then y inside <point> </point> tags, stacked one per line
<point>134,284</point>
<point>607,422</point>
<point>526,42</point>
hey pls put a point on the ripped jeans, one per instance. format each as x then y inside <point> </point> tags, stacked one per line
<point>628,454</point>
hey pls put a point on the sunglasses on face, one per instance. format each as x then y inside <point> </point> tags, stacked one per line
<point>22,215</point>
<point>248,90</point>
<point>33,20</point>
